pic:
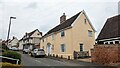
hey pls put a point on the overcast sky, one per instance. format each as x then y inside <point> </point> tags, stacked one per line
<point>44,14</point>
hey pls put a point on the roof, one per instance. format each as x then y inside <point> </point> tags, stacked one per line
<point>66,24</point>
<point>111,29</point>
<point>29,34</point>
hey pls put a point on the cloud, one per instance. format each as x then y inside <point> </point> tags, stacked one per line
<point>119,7</point>
<point>32,5</point>
<point>44,15</point>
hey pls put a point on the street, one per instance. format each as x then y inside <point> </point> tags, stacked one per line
<point>31,61</point>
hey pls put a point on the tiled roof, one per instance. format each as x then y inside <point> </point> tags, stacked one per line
<point>64,25</point>
<point>111,29</point>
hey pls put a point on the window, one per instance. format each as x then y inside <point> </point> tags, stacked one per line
<point>81,47</point>
<point>62,33</point>
<point>62,47</point>
<point>116,42</point>
<point>106,43</point>
<point>89,33</point>
<point>52,36</point>
<point>38,34</point>
<point>42,40</point>
<point>111,42</point>
<point>85,21</point>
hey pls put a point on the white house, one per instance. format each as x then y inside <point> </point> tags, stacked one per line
<point>30,40</point>
<point>13,42</point>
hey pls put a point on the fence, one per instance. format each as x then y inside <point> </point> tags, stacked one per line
<point>7,59</point>
<point>81,54</point>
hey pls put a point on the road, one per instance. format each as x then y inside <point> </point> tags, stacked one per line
<point>31,61</point>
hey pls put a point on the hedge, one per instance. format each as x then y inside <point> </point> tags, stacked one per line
<point>9,65</point>
<point>12,54</point>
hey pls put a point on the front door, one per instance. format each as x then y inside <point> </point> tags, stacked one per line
<point>81,47</point>
<point>48,49</point>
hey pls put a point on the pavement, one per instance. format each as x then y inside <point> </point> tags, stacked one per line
<point>28,61</point>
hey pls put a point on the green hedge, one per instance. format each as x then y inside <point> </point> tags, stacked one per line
<point>12,54</point>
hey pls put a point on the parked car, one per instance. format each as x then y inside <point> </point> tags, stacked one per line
<point>14,49</point>
<point>26,51</point>
<point>37,53</point>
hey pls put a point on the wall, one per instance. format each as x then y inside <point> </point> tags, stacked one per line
<point>106,54</point>
<point>20,45</point>
<point>80,34</point>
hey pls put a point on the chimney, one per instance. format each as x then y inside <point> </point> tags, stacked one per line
<point>13,37</point>
<point>63,18</point>
<point>26,34</point>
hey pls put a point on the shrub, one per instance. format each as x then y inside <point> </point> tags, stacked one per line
<point>4,46</point>
<point>9,65</point>
<point>12,54</point>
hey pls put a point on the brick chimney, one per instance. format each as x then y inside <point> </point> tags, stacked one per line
<point>63,18</point>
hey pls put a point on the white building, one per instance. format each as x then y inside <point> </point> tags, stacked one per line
<point>30,40</point>
<point>13,42</point>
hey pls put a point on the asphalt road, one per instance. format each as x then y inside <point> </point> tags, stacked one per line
<point>31,61</point>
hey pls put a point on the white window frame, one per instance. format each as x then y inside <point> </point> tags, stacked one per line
<point>62,32</point>
<point>90,33</point>
<point>64,48</point>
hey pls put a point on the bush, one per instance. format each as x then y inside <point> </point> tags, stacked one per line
<point>4,46</point>
<point>9,65</point>
<point>12,54</point>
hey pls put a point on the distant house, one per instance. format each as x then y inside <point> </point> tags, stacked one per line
<point>75,34</point>
<point>110,33</point>
<point>30,40</point>
<point>13,42</point>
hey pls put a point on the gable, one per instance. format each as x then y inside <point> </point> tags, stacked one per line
<point>36,34</point>
<point>83,16</point>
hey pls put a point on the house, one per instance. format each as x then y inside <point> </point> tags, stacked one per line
<point>110,33</point>
<point>13,42</point>
<point>75,34</point>
<point>107,49</point>
<point>30,40</point>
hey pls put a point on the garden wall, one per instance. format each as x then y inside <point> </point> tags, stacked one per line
<point>106,54</point>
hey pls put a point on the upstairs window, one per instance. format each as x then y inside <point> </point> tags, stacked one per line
<point>38,34</point>
<point>52,36</point>
<point>89,33</point>
<point>42,40</point>
<point>62,33</point>
<point>85,21</point>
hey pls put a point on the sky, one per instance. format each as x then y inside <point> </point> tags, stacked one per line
<point>45,14</point>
